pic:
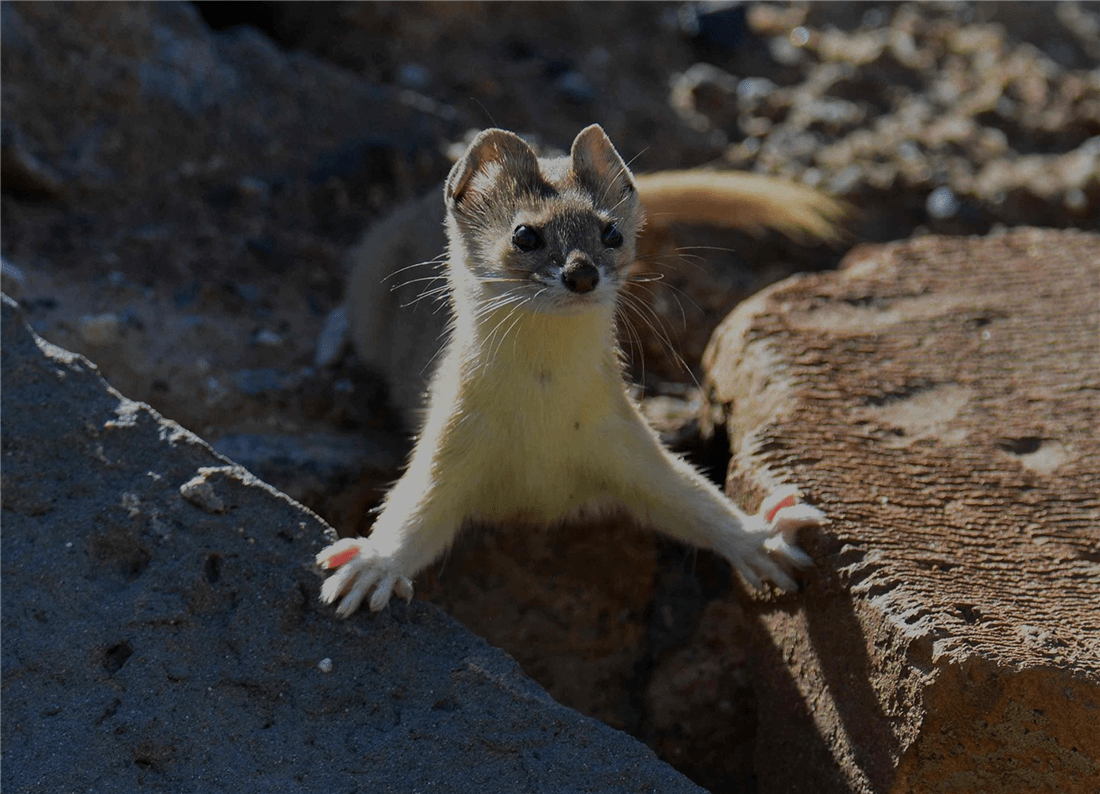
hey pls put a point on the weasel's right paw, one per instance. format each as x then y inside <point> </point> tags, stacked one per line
<point>359,570</point>
<point>773,533</point>
<point>785,515</point>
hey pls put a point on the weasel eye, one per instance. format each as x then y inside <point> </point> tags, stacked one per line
<point>526,238</point>
<point>611,236</point>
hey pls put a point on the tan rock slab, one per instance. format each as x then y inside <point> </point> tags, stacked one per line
<point>939,399</point>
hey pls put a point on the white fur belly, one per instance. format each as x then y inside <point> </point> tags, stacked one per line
<point>551,477</point>
<point>539,432</point>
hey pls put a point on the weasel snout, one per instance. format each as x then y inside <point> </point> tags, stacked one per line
<point>580,275</point>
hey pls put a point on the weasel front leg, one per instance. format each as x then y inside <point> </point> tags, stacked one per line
<point>674,498</point>
<point>413,529</point>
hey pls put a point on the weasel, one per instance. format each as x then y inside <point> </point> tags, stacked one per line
<point>528,417</point>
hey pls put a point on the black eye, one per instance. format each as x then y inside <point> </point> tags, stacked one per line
<point>611,236</point>
<point>526,239</point>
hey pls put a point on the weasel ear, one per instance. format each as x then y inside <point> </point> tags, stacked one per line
<point>598,166</point>
<point>491,153</point>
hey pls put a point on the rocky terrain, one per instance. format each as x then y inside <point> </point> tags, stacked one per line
<point>161,631</point>
<point>180,184</point>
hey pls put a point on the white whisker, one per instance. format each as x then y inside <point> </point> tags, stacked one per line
<point>489,346</point>
<point>404,284</point>
<point>439,260</point>
<point>655,323</point>
<point>634,339</point>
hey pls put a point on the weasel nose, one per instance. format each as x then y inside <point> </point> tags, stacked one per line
<point>580,276</point>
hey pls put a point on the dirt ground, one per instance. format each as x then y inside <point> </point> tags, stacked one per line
<point>180,186</point>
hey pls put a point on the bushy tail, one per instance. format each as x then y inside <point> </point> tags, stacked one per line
<point>738,200</point>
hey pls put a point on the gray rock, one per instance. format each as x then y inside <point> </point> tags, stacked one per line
<point>325,457</point>
<point>161,643</point>
<point>13,279</point>
<point>161,134</point>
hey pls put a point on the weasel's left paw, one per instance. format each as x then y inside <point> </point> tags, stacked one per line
<point>359,570</point>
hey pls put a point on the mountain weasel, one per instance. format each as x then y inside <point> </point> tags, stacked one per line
<point>528,418</point>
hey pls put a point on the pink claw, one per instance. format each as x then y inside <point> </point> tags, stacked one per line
<point>336,560</point>
<point>787,502</point>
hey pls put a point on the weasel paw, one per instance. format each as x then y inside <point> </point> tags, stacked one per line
<point>777,524</point>
<point>360,569</point>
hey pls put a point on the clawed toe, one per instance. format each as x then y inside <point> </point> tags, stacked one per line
<point>359,572</point>
<point>780,518</point>
<point>778,546</point>
<point>336,584</point>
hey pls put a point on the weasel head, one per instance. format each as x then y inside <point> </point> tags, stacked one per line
<point>552,235</point>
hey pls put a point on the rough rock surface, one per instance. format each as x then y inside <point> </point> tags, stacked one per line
<point>939,399</point>
<point>162,633</point>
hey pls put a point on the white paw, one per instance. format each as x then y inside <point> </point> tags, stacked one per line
<point>774,531</point>
<point>360,569</point>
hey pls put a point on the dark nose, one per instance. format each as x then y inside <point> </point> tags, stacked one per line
<point>580,276</point>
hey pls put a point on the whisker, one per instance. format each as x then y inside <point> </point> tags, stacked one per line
<point>655,323</point>
<point>516,316</point>
<point>442,339</point>
<point>657,318</point>
<point>694,260</point>
<point>645,311</point>
<point>513,312</point>
<point>495,304</point>
<point>721,248</point>
<point>630,162</point>
<point>675,293</point>
<point>508,330</point>
<point>672,288</point>
<point>436,294</point>
<point>620,202</point>
<point>404,284</point>
<point>624,170</point>
<point>634,339</point>
<point>439,260</point>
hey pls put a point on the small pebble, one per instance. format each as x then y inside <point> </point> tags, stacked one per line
<point>942,203</point>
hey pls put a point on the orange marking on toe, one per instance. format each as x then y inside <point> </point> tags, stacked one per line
<point>336,560</point>
<point>788,502</point>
